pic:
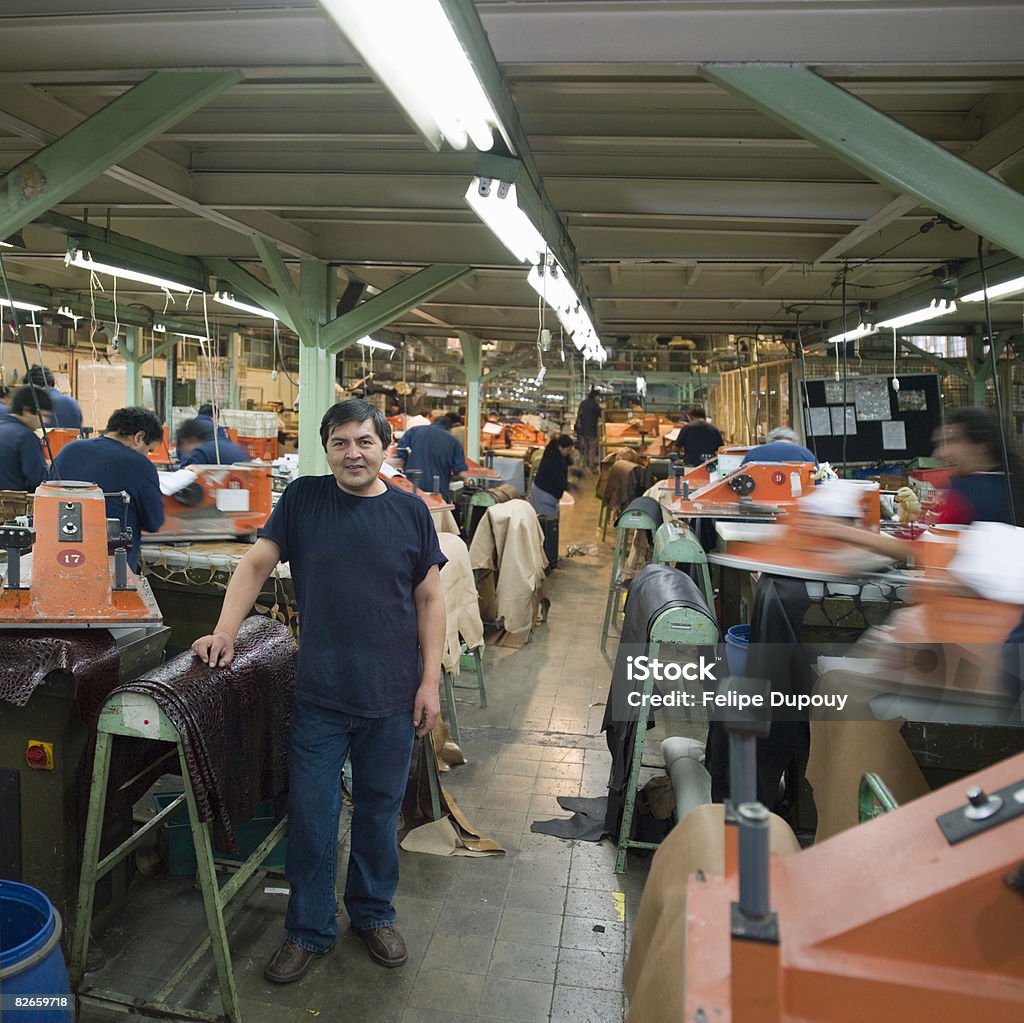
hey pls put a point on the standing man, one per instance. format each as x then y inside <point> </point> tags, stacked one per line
<point>698,440</point>
<point>588,415</point>
<point>435,452</point>
<point>22,466</point>
<point>116,461</point>
<point>65,412</point>
<point>365,562</point>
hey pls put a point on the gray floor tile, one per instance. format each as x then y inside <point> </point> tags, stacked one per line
<point>523,1000</point>
<point>535,898</point>
<point>446,989</point>
<point>587,968</point>
<point>599,937</point>
<point>523,926</point>
<point>585,1005</point>
<point>595,905</point>
<point>524,961</point>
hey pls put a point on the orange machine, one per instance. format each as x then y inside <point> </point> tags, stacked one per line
<point>435,502</point>
<point>758,488</point>
<point>59,438</point>
<point>225,502</point>
<point>481,472</point>
<point>913,916</point>
<point>70,580</point>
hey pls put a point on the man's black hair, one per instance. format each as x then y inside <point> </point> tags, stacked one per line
<point>41,376</point>
<point>444,422</point>
<point>355,410</point>
<point>205,410</point>
<point>193,429</point>
<point>27,399</point>
<point>126,422</point>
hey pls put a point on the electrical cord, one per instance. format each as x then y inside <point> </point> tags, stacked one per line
<point>845,373</point>
<point>803,383</point>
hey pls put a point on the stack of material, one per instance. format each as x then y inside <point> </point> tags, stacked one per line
<point>508,548</point>
<point>460,600</point>
<point>233,722</point>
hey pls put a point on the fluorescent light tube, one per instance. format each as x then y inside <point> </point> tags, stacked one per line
<point>861,330</point>
<point>368,342</point>
<point>937,307</point>
<point>1010,287</point>
<point>497,205</point>
<point>76,257</point>
<point>193,337</point>
<point>27,307</point>
<point>413,51</point>
<point>223,298</point>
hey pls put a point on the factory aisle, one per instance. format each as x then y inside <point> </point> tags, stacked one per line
<point>535,935</point>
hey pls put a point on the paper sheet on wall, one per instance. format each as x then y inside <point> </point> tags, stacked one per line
<point>871,398</point>
<point>834,392</point>
<point>837,421</point>
<point>820,424</point>
<point>894,435</point>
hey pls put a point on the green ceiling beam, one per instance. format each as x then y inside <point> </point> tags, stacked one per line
<point>287,294</point>
<point>934,360</point>
<point>252,287</point>
<point>386,307</point>
<point>108,136</point>
<point>880,147</point>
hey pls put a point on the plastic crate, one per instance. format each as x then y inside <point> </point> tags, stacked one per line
<point>263,448</point>
<point>175,839</point>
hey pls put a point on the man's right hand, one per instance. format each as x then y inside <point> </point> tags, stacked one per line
<point>216,650</point>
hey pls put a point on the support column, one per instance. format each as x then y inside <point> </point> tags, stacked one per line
<point>133,372</point>
<point>316,366</point>
<point>978,369</point>
<point>172,376</point>
<point>471,361</point>
<point>234,395</point>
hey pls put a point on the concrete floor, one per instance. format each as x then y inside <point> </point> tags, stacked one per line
<point>538,934</point>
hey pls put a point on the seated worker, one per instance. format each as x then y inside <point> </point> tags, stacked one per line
<point>65,412</point>
<point>698,440</point>
<point>781,445</point>
<point>433,450</point>
<point>116,461</point>
<point>22,466</point>
<point>196,446</point>
<point>205,415</point>
<point>979,489</point>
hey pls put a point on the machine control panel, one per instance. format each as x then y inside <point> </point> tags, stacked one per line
<point>20,538</point>
<point>983,811</point>
<point>69,522</point>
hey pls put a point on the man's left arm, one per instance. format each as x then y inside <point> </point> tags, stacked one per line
<point>149,502</point>
<point>430,626</point>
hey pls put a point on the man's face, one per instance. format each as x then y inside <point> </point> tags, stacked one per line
<point>355,455</point>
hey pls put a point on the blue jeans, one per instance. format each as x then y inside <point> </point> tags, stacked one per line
<point>380,750</point>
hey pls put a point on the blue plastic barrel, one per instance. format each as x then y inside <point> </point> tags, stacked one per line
<point>33,978</point>
<point>737,639</point>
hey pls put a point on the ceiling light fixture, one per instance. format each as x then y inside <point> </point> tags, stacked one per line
<point>937,307</point>
<point>368,342</point>
<point>861,330</point>
<point>1010,287</point>
<point>413,50</point>
<point>77,256</point>
<point>225,298</point>
<point>548,279</point>
<point>28,307</point>
<point>496,203</point>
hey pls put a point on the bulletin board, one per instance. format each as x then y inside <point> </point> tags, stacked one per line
<point>881,424</point>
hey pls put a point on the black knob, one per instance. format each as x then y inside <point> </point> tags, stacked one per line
<point>977,797</point>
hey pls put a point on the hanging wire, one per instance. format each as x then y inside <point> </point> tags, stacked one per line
<point>803,386</point>
<point>1004,452</point>
<point>846,431</point>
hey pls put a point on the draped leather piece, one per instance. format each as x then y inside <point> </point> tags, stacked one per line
<point>462,606</point>
<point>233,722</point>
<point>644,504</point>
<point>27,656</point>
<point>654,590</point>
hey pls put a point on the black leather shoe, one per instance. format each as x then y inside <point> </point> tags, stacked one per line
<point>290,963</point>
<point>385,946</point>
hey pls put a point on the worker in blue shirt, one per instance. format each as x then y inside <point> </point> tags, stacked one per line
<point>22,466</point>
<point>116,462</point>
<point>195,446</point>
<point>783,445</point>
<point>435,452</point>
<point>206,415</point>
<point>66,413</point>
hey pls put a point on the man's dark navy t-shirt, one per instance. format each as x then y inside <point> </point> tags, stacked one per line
<point>114,467</point>
<point>65,412</point>
<point>355,563</point>
<point>22,466</point>
<point>980,497</point>
<point>436,452</point>
<point>779,451</point>
<point>698,441</point>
